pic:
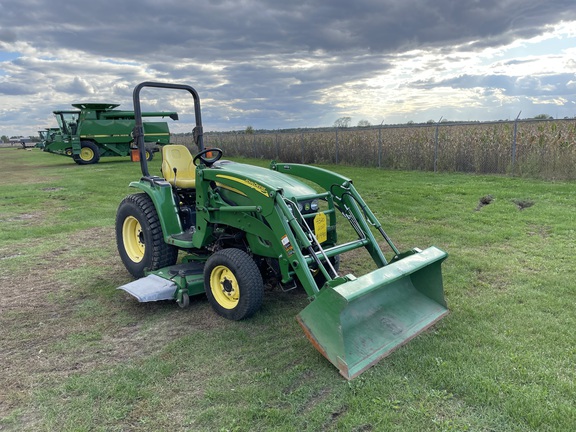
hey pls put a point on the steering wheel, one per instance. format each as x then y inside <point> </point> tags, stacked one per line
<point>213,155</point>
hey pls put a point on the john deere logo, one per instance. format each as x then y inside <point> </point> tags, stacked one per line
<point>251,184</point>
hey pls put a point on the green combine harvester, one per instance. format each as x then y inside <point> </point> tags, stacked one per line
<point>94,130</point>
<point>239,226</point>
<point>46,136</point>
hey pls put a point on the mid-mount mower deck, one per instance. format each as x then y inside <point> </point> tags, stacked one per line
<point>240,225</point>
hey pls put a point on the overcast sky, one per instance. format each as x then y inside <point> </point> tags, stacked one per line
<point>299,63</point>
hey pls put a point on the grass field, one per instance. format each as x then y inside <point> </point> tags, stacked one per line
<point>78,355</point>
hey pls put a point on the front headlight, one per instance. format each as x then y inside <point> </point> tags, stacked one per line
<point>308,206</point>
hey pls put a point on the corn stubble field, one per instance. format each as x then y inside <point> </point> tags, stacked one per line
<point>76,354</point>
<point>545,149</point>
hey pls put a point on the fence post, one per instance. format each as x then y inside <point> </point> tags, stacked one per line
<point>380,145</point>
<point>302,146</point>
<point>514,144</point>
<point>436,146</point>
<point>276,144</point>
<point>336,146</point>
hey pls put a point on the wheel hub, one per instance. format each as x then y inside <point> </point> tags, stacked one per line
<point>133,239</point>
<point>224,287</point>
<point>227,285</point>
<point>86,154</point>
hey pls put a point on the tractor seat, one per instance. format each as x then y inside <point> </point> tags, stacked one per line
<point>179,157</point>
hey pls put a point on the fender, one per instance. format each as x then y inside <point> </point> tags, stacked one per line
<point>160,191</point>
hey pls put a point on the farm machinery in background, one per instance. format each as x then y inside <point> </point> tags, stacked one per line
<point>94,130</point>
<point>220,228</point>
<point>46,137</point>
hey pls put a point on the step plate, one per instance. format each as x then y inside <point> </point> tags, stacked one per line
<point>151,288</point>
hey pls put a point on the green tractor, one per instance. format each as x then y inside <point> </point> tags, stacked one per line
<point>224,229</point>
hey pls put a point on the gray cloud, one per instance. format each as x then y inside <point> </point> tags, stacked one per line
<point>15,89</point>
<point>7,35</point>
<point>223,29</point>
<point>549,85</point>
<point>267,63</point>
<point>76,86</point>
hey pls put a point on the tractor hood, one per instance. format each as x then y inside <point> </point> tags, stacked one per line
<point>292,187</point>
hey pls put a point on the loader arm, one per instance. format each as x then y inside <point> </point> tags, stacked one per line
<point>347,200</point>
<point>355,321</point>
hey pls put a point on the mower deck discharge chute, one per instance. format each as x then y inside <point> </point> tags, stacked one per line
<point>241,225</point>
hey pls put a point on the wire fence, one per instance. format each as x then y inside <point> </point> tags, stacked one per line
<point>532,148</point>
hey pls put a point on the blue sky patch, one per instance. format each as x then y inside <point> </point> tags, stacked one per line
<point>8,56</point>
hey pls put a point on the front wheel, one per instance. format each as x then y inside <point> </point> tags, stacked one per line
<point>233,284</point>
<point>149,154</point>
<point>89,154</point>
<point>139,236</point>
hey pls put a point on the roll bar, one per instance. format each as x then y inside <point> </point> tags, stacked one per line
<point>138,131</point>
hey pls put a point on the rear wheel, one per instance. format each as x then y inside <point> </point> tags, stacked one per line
<point>89,154</point>
<point>149,155</point>
<point>139,236</point>
<point>233,284</point>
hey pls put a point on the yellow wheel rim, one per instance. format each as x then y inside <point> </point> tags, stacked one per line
<point>224,287</point>
<point>133,239</point>
<point>148,155</point>
<point>86,154</point>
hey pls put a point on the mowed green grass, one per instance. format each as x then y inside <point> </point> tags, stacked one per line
<point>79,355</point>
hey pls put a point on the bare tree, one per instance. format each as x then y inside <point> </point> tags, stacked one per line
<point>343,122</point>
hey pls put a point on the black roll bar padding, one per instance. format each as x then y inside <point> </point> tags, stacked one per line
<point>138,131</point>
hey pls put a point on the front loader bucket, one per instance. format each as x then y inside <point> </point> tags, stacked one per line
<point>358,322</point>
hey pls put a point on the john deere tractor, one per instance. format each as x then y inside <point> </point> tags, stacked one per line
<point>224,229</point>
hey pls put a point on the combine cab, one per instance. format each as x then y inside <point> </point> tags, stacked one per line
<point>236,226</point>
